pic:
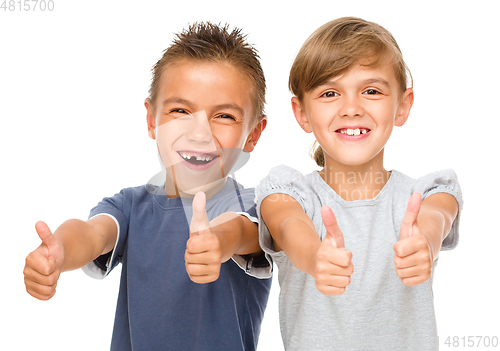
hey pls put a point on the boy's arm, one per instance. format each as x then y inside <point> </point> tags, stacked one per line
<point>212,243</point>
<point>293,232</point>
<point>73,245</point>
<point>425,225</point>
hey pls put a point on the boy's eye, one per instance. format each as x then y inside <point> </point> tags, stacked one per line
<point>329,94</point>
<point>178,110</point>
<point>371,92</point>
<point>225,116</point>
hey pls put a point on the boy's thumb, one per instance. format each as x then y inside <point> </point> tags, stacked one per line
<point>200,221</point>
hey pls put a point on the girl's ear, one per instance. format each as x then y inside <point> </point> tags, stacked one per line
<point>300,115</point>
<point>404,107</point>
<point>150,118</point>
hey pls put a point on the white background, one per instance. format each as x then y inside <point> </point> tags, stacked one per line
<point>73,130</point>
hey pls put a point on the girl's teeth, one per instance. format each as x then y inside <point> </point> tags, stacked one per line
<point>356,131</point>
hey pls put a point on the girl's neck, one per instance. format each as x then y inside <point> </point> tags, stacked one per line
<point>356,182</point>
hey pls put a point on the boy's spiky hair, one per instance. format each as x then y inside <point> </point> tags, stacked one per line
<point>206,41</point>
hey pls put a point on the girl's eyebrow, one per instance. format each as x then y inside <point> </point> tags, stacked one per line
<point>378,80</point>
<point>333,83</point>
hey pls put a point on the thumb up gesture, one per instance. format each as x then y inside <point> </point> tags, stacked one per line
<point>333,266</point>
<point>203,249</point>
<point>413,258</point>
<point>43,266</point>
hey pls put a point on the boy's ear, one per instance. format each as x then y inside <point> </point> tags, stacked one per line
<point>300,115</point>
<point>404,107</point>
<point>255,135</point>
<point>150,118</point>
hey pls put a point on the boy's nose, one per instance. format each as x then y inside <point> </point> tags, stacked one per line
<point>199,129</point>
<point>351,107</point>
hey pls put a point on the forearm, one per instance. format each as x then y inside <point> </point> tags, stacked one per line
<point>435,219</point>
<point>300,243</point>
<point>433,227</point>
<point>80,242</point>
<point>236,233</point>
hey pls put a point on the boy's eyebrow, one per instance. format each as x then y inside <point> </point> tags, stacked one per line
<point>230,106</point>
<point>177,100</point>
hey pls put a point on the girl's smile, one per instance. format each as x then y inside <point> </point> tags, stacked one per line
<point>352,116</point>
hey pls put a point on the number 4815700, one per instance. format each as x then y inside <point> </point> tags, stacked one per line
<point>27,5</point>
<point>471,341</point>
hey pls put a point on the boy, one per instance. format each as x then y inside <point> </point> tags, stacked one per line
<point>205,107</point>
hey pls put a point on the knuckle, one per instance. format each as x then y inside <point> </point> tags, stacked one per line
<point>189,245</point>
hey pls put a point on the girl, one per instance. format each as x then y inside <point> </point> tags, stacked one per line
<point>357,278</point>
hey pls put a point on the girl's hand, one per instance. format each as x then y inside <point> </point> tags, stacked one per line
<point>203,249</point>
<point>43,266</point>
<point>333,266</point>
<point>413,256</point>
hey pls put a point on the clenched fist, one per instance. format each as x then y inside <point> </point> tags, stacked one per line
<point>203,249</point>
<point>413,257</point>
<point>43,266</point>
<point>333,266</point>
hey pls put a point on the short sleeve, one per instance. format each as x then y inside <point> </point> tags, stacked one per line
<point>445,181</point>
<point>283,180</point>
<point>114,208</point>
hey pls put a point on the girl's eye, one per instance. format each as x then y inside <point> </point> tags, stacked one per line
<point>329,94</point>
<point>371,92</point>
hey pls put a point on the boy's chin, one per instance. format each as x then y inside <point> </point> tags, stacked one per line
<point>209,189</point>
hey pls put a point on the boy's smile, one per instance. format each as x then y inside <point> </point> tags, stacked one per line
<point>352,116</point>
<point>201,123</point>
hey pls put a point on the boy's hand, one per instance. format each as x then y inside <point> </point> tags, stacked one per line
<point>333,266</point>
<point>203,249</point>
<point>413,256</point>
<point>43,266</point>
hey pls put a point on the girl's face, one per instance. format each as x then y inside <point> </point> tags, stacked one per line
<point>352,116</point>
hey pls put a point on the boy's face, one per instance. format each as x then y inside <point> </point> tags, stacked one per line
<point>201,124</point>
<point>352,116</point>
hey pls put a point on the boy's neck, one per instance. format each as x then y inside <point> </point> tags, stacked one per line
<point>357,182</point>
<point>172,190</point>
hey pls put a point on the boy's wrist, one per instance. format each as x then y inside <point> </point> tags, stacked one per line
<point>228,228</point>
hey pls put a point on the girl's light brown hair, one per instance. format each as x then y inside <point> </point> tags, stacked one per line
<point>206,41</point>
<point>336,47</point>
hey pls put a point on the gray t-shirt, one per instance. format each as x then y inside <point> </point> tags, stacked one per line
<point>377,311</point>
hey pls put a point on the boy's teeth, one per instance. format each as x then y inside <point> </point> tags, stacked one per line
<point>197,158</point>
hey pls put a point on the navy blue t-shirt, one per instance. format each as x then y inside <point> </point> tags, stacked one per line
<point>159,307</point>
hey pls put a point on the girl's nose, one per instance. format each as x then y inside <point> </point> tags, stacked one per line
<point>351,107</point>
<point>199,129</point>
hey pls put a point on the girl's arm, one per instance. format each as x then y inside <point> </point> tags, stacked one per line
<point>424,227</point>
<point>436,216</point>
<point>293,232</point>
